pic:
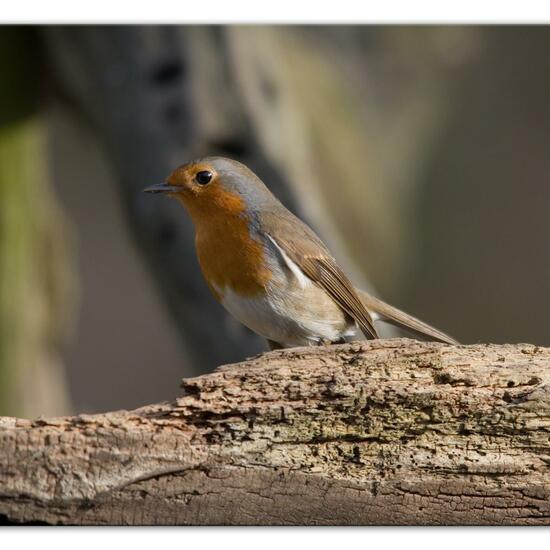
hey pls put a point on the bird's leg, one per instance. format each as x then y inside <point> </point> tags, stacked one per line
<point>274,345</point>
<point>318,342</point>
<point>327,342</point>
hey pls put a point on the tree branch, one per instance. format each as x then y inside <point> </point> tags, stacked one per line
<point>381,432</point>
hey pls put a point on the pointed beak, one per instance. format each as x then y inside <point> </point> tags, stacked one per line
<point>162,188</point>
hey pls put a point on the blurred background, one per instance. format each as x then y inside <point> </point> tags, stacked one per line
<point>419,154</point>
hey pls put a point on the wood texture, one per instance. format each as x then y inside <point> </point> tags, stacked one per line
<point>381,432</point>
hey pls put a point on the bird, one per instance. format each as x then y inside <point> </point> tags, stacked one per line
<point>268,268</point>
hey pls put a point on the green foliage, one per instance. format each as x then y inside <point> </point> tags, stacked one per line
<point>18,148</point>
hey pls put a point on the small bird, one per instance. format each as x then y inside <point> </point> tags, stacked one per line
<point>267,267</point>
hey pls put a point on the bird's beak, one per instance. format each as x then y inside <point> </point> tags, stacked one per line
<point>162,188</point>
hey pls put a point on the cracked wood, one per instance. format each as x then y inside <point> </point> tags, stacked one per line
<point>381,432</point>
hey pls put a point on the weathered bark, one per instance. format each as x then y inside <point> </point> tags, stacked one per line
<point>384,432</point>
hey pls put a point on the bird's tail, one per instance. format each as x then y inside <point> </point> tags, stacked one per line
<point>379,310</point>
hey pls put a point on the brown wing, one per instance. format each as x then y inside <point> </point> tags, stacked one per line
<point>325,272</point>
<point>307,251</point>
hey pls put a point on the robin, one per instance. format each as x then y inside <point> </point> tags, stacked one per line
<point>267,267</point>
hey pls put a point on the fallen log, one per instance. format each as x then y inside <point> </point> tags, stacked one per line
<point>385,432</point>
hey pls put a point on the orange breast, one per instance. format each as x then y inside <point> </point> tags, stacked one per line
<point>229,257</point>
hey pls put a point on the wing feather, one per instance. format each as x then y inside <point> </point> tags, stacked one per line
<point>307,251</point>
<point>328,275</point>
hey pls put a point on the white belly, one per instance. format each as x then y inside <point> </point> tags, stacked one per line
<point>271,318</point>
<point>293,312</point>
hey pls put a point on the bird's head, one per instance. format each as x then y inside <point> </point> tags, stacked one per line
<point>213,185</point>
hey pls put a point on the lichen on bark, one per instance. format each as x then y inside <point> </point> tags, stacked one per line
<point>381,432</point>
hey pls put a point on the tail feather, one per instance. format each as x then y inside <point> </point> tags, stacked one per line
<point>384,312</point>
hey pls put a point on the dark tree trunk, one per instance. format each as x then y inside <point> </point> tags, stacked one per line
<point>137,87</point>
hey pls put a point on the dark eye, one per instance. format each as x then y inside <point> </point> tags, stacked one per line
<point>203,177</point>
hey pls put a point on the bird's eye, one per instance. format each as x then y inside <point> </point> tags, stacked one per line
<point>204,177</point>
